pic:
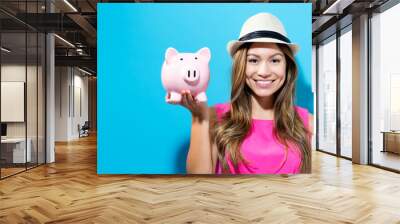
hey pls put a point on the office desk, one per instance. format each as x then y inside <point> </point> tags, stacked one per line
<point>391,141</point>
<point>15,148</point>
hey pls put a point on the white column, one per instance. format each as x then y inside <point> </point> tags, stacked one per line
<point>50,100</point>
<point>360,90</point>
<point>50,93</point>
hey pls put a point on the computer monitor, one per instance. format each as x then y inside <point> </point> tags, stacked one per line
<point>3,129</point>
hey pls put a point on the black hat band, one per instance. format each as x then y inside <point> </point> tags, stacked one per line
<point>263,34</point>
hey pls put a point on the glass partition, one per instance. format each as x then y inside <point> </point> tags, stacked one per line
<point>32,95</point>
<point>14,153</point>
<point>346,93</point>
<point>385,89</point>
<point>22,88</point>
<point>327,96</point>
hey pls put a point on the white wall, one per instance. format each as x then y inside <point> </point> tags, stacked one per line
<point>62,82</point>
<point>16,72</point>
<point>13,100</point>
<point>81,84</point>
<point>70,83</point>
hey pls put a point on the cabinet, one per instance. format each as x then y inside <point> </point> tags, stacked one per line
<point>391,141</point>
<point>13,150</point>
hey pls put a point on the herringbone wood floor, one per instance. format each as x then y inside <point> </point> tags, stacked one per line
<point>70,191</point>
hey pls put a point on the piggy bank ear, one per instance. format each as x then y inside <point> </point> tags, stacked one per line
<point>169,54</point>
<point>205,53</point>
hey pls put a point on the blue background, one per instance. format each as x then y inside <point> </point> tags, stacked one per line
<point>138,133</point>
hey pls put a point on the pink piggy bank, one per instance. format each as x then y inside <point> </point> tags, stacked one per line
<point>186,71</point>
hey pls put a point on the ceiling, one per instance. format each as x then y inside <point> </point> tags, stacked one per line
<point>76,22</point>
<point>77,25</point>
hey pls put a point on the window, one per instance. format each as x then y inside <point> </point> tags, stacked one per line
<point>346,92</point>
<point>327,96</point>
<point>385,89</point>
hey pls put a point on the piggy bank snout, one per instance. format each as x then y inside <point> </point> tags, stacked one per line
<point>191,76</point>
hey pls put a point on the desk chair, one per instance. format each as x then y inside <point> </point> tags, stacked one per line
<point>84,130</point>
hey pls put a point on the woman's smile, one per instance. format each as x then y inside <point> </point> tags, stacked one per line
<point>264,84</point>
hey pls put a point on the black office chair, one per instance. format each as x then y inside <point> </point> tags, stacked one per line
<point>84,130</point>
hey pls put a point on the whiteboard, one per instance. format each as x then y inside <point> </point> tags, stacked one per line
<point>12,101</point>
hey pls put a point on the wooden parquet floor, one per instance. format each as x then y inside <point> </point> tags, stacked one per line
<point>70,191</point>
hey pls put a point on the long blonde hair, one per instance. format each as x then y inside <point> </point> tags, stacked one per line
<point>235,124</point>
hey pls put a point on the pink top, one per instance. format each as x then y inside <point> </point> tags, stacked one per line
<point>261,149</point>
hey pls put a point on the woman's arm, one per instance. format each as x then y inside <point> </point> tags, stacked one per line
<point>199,158</point>
<point>213,122</point>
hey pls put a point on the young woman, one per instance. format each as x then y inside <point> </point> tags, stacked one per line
<point>259,131</point>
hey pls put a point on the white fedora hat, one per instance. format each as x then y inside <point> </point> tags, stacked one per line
<point>262,27</point>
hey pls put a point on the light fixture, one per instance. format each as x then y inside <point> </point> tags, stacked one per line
<point>84,71</point>
<point>70,5</point>
<point>64,40</point>
<point>5,50</point>
<point>79,51</point>
<point>337,7</point>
